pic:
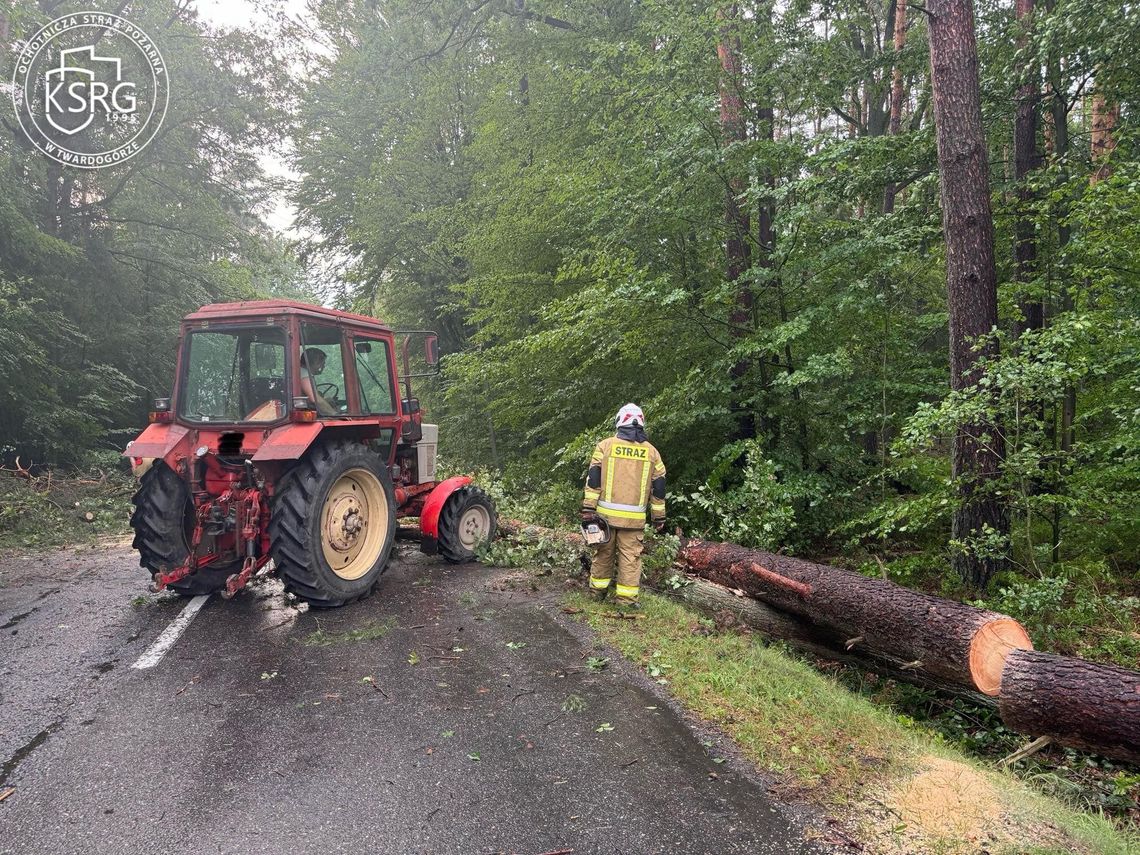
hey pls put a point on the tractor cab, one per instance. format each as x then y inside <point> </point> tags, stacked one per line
<point>272,360</point>
<point>266,391</point>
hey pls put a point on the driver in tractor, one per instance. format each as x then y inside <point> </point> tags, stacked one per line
<point>312,364</point>
<point>626,478</point>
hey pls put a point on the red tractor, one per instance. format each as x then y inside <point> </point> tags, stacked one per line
<point>286,438</point>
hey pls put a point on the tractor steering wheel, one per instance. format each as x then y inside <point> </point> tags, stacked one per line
<point>321,390</point>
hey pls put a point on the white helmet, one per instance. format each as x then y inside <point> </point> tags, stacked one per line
<point>630,414</point>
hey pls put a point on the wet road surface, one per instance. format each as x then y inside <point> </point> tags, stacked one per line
<point>451,712</point>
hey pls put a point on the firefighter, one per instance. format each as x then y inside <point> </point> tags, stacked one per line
<point>626,478</point>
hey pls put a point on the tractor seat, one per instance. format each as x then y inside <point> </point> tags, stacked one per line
<point>267,397</point>
<point>269,410</point>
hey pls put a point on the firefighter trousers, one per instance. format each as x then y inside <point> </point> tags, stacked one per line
<point>626,544</point>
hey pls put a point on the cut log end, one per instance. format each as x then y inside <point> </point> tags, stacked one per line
<point>990,647</point>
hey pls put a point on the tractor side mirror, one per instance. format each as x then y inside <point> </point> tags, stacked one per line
<point>431,350</point>
<point>364,347</point>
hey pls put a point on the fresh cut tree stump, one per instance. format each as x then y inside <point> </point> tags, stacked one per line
<point>1080,704</point>
<point>947,640</point>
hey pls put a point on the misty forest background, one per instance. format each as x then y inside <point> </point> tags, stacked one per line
<point>729,214</point>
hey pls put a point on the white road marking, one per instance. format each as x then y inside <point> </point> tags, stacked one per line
<point>164,642</point>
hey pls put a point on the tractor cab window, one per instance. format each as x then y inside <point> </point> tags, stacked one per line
<point>374,375</point>
<point>322,369</point>
<point>235,376</point>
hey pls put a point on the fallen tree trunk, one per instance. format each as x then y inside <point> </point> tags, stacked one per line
<point>811,639</point>
<point>942,639</point>
<point>873,624</point>
<point>1077,703</point>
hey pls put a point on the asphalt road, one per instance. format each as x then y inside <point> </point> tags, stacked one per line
<point>466,723</point>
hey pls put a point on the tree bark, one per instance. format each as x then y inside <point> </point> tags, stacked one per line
<point>1026,159</point>
<point>1057,142</point>
<point>943,639</point>
<point>1105,115</point>
<point>895,123</point>
<point>1077,703</point>
<point>971,277</point>
<point>808,638</point>
<point>734,130</point>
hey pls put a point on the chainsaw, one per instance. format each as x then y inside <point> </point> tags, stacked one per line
<point>596,532</point>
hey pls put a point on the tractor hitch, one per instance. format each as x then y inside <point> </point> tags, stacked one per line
<point>162,580</point>
<point>239,580</point>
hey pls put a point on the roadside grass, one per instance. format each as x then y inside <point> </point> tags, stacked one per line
<point>49,509</point>
<point>903,787</point>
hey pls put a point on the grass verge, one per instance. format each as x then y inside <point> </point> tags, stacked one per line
<point>901,787</point>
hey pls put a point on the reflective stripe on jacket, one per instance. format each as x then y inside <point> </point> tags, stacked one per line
<point>620,485</point>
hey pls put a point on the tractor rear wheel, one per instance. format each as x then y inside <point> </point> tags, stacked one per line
<point>332,524</point>
<point>467,519</point>
<point>163,521</point>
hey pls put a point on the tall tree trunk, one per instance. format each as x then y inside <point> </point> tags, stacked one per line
<point>971,277</point>
<point>895,122</point>
<point>1105,115</point>
<point>734,130</point>
<point>1058,135</point>
<point>1026,159</point>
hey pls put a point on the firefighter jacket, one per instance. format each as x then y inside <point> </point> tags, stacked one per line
<point>625,478</point>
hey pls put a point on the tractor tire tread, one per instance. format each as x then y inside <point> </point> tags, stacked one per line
<point>159,520</point>
<point>449,545</point>
<point>294,504</point>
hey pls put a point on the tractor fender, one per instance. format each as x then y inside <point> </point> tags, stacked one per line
<point>288,442</point>
<point>429,516</point>
<point>158,440</point>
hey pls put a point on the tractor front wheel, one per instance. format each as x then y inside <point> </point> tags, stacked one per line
<point>163,521</point>
<point>466,520</point>
<point>332,524</point>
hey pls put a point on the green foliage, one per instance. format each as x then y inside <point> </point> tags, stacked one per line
<point>748,505</point>
<point>552,197</point>
<point>530,550</point>
<point>97,266</point>
<point>1076,613</point>
<point>660,552</point>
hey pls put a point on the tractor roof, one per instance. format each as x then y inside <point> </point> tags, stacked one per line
<point>260,308</point>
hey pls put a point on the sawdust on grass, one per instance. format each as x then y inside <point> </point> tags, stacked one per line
<point>948,800</point>
<point>952,808</point>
